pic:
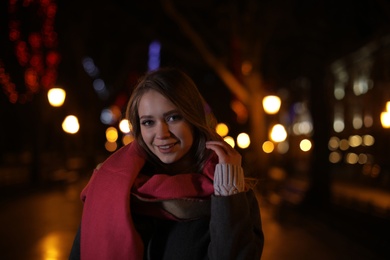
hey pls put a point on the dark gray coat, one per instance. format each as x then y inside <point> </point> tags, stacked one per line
<point>232,232</point>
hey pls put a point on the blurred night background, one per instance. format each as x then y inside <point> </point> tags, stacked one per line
<point>324,169</point>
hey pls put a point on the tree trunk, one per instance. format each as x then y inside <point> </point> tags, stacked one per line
<point>258,131</point>
<point>318,194</point>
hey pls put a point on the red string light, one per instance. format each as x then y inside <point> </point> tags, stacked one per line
<point>36,52</point>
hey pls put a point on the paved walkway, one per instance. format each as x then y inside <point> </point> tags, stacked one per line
<point>293,236</point>
<point>41,224</point>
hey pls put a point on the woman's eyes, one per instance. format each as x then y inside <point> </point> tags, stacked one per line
<point>147,122</point>
<point>175,117</point>
<point>170,118</point>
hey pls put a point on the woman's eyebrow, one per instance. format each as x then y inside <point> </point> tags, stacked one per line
<point>170,112</point>
<point>174,111</point>
<point>145,117</point>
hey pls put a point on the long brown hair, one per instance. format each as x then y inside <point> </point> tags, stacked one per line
<point>181,90</point>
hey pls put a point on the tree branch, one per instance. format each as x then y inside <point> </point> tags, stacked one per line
<point>227,77</point>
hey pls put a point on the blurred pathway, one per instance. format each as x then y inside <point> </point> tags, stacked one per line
<point>40,225</point>
<point>298,237</point>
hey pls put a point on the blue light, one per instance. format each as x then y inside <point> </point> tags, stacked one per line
<point>154,55</point>
<point>106,117</point>
<point>98,85</point>
<point>89,67</point>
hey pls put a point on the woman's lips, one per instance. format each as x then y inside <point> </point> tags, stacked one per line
<point>167,148</point>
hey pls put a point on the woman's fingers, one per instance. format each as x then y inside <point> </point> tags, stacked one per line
<point>219,145</point>
<point>225,153</point>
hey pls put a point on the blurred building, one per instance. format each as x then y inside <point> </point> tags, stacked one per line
<point>360,142</point>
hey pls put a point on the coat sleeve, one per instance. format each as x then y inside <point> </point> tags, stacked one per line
<point>235,227</point>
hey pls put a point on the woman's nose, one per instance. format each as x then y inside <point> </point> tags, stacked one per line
<point>163,130</point>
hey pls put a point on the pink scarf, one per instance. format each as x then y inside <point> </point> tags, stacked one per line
<point>107,228</point>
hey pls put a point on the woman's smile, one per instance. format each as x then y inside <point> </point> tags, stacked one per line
<point>167,148</point>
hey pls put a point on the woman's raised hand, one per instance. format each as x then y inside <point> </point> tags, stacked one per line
<point>226,154</point>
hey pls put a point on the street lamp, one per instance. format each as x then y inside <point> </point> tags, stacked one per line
<point>56,97</point>
<point>222,129</point>
<point>271,104</point>
<point>111,134</point>
<point>385,116</point>
<point>229,140</point>
<point>243,140</point>
<point>71,124</point>
<point>278,133</point>
<point>125,126</point>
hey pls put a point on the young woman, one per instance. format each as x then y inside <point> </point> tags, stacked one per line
<point>176,192</point>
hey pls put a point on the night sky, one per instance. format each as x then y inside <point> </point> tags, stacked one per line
<point>299,37</point>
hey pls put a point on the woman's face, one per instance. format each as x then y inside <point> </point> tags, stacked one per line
<point>164,130</point>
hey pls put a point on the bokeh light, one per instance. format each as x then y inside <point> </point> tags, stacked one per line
<point>222,129</point>
<point>278,133</point>
<point>271,104</point>
<point>125,126</point>
<point>335,157</point>
<point>355,140</point>
<point>71,124</point>
<point>385,119</point>
<point>126,139</point>
<point>305,145</point>
<point>368,140</point>
<point>283,147</point>
<point>154,55</point>
<point>243,140</point>
<point>333,143</point>
<point>89,67</point>
<point>111,134</point>
<point>268,147</point>
<point>230,141</point>
<point>56,97</point>
<point>110,115</point>
<point>111,146</point>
